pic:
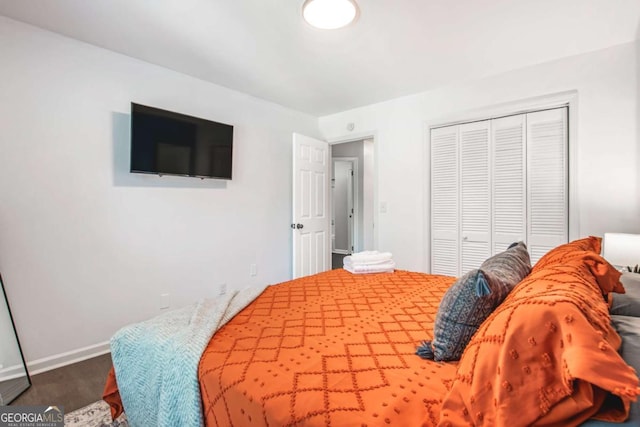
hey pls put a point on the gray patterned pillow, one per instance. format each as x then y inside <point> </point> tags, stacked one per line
<point>471,299</point>
<point>627,304</point>
<point>508,268</point>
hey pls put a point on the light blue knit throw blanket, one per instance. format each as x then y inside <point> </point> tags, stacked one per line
<point>156,361</point>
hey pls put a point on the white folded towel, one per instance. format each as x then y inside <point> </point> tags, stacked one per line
<point>348,260</point>
<point>370,257</point>
<point>383,267</point>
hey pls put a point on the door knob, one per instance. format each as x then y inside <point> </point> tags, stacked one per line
<point>299,226</point>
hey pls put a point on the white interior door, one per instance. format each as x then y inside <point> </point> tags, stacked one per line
<point>509,189</point>
<point>350,208</point>
<point>444,203</point>
<point>311,215</point>
<point>475,195</point>
<point>343,205</point>
<point>495,182</point>
<point>547,166</point>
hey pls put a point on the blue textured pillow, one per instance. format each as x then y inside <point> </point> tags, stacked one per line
<point>471,299</point>
<point>627,304</point>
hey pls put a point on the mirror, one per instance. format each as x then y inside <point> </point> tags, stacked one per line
<point>14,378</point>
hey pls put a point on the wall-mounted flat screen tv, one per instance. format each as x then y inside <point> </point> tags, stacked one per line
<point>168,143</point>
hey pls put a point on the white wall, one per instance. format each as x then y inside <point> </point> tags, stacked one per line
<point>607,139</point>
<point>85,246</point>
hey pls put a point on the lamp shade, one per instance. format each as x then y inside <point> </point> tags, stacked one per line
<point>329,14</point>
<point>622,249</point>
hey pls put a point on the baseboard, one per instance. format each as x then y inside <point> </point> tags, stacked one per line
<point>63,359</point>
<point>11,373</point>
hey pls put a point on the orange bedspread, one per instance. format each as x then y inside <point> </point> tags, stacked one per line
<point>337,349</point>
<point>547,355</point>
<point>331,349</point>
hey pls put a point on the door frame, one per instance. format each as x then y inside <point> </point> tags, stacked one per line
<point>371,135</point>
<point>353,233</point>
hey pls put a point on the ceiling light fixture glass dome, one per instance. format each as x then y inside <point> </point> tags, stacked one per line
<point>329,14</point>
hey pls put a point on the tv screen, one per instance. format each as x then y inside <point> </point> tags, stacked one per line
<point>168,143</point>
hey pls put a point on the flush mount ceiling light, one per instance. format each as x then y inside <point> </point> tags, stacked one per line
<point>329,14</point>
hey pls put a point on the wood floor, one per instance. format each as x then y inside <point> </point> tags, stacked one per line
<point>336,260</point>
<point>72,386</point>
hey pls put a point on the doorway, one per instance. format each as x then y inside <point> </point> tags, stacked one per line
<point>351,199</point>
<point>344,193</point>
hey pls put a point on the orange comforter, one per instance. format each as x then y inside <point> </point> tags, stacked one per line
<point>547,355</point>
<point>331,349</point>
<point>339,349</point>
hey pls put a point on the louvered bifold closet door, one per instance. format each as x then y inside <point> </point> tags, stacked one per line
<point>475,194</point>
<point>547,170</point>
<point>444,201</point>
<point>508,181</point>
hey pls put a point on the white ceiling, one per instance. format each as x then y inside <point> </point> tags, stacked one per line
<point>397,47</point>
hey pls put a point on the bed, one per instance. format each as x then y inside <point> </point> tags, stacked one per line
<point>340,349</point>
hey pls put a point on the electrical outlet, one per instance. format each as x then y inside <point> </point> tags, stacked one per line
<point>164,301</point>
<point>222,289</point>
<point>253,270</point>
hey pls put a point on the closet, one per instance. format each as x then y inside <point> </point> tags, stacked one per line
<point>495,182</point>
